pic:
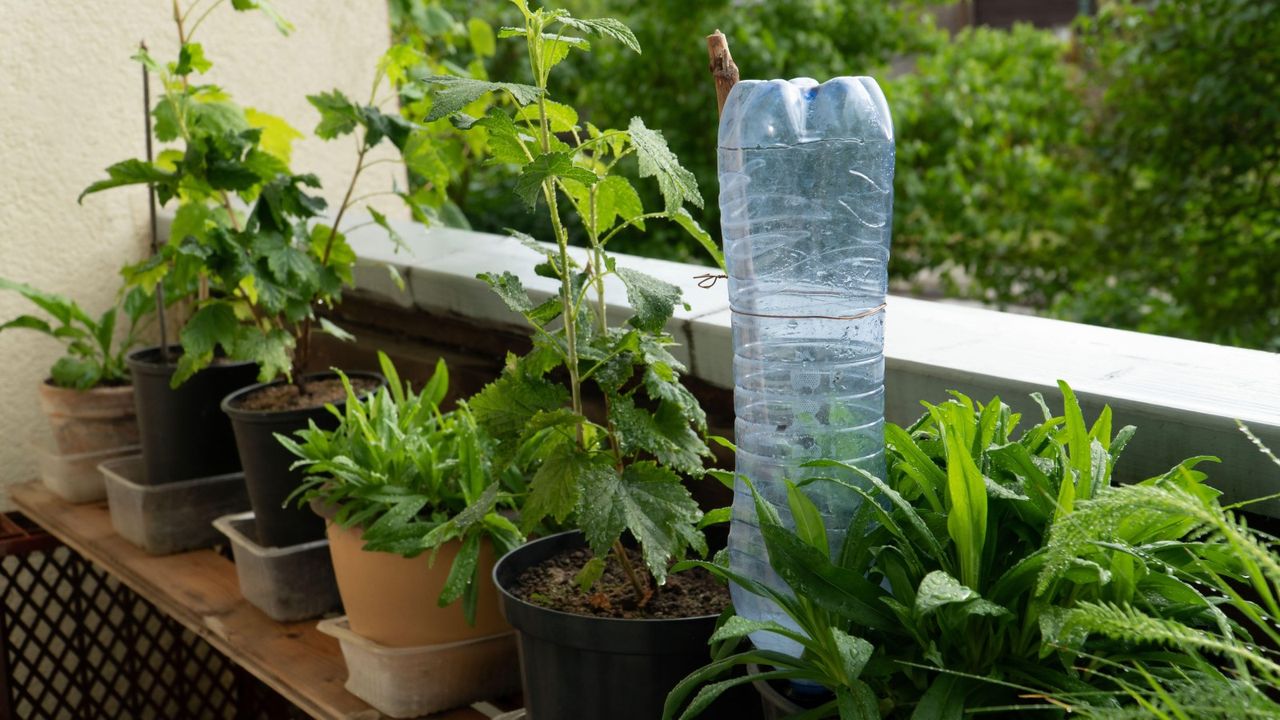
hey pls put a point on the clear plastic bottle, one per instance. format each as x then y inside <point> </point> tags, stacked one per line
<point>806,199</point>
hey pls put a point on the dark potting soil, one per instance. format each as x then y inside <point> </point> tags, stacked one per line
<point>289,397</point>
<point>686,594</point>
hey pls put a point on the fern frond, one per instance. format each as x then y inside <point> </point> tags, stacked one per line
<point>1100,520</point>
<point>1260,445</point>
<point>1203,698</point>
<point>1127,623</point>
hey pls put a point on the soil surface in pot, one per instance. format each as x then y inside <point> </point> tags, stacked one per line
<point>288,397</point>
<point>551,584</point>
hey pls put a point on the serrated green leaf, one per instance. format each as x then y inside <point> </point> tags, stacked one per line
<point>606,27</point>
<point>481,36</point>
<point>561,118</point>
<point>510,289</point>
<point>191,59</point>
<point>338,114</point>
<point>268,9</point>
<point>616,199</point>
<point>647,500</point>
<point>190,221</point>
<point>555,48</point>
<point>272,351</point>
<point>653,300</point>
<point>505,406</point>
<point>505,144</point>
<point>691,226</point>
<point>423,158</point>
<point>286,262</point>
<point>677,184</point>
<point>556,487</point>
<point>664,434</point>
<point>455,93</point>
<point>547,166</point>
<point>277,135</point>
<point>130,172</point>
<point>212,325</point>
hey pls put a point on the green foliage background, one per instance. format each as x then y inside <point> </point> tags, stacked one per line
<point>1123,174</point>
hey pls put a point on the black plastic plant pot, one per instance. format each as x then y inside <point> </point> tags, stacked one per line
<point>183,431</point>
<point>267,463</point>
<point>576,666</point>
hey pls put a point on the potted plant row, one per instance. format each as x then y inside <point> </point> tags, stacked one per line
<point>604,629</point>
<point>257,260</point>
<point>88,396</point>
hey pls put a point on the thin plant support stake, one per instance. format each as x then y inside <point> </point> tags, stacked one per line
<point>151,207</point>
<point>806,197</point>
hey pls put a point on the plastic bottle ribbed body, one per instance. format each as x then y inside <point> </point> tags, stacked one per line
<point>806,178</point>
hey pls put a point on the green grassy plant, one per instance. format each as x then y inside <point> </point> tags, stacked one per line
<point>411,477</point>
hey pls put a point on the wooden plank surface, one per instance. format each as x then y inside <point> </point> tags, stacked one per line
<point>199,589</point>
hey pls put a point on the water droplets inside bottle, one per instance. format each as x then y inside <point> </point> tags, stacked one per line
<point>806,199</point>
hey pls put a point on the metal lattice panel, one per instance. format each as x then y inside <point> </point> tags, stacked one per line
<point>78,644</point>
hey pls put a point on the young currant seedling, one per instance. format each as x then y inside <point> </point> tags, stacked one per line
<point>617,470</point>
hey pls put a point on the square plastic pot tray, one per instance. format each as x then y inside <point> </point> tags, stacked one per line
<point>414,681</point>
<point>75,478</point>
<point>287,583</point>
<point>170,518</point>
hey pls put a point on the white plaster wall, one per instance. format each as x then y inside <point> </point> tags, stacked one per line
<point>71,103</point>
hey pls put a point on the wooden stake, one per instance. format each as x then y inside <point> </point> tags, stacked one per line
<point>151,207</point>
<point>723,70</point>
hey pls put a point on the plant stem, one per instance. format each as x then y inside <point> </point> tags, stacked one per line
<point>203,15</point>
<point>302,341</point>
<point>151,212</point>
<point>569,302</point>
<point>621,553</point>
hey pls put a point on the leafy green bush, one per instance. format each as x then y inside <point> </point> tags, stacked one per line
<point>990,191</point>
<point>1186,136</point>
<point>984,571</point>
<point>411,477</point>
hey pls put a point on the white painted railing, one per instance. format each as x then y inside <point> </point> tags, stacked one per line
<point>1183,396</point>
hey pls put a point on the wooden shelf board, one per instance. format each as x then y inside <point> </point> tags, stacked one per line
<point>200,590</point>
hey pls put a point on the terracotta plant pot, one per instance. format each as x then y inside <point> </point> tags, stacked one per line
<point>391,600</point>
<point>93,420</point>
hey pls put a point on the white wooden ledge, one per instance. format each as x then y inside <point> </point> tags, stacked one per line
<point>1184,396</point>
